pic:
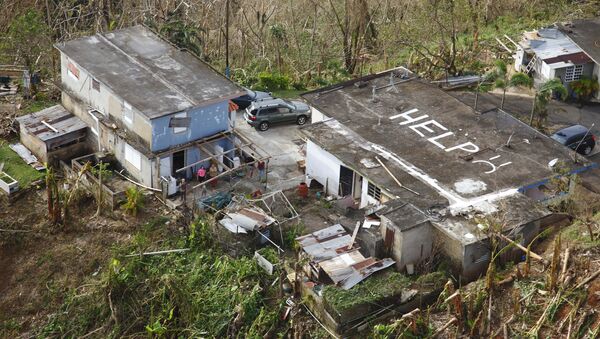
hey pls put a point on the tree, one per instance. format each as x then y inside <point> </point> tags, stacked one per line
<point>357,28</point>
<point>183,34</point>
<point>543,96</point>
<point>28,39</point>
<point>502,81</point>
<point>585,88</point>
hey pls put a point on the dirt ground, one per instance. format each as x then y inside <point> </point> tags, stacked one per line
<point>40,262</point>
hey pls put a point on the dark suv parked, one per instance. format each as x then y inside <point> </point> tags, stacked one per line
<point>576,136</point>
<point>251,96</point>
<point>262,114</point>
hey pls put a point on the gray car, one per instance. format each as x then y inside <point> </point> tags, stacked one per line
<point>264,113</point>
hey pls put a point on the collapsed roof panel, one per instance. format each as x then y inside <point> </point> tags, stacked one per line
<point>330,250</point>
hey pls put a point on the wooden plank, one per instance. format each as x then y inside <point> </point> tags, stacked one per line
<point>50,126</point>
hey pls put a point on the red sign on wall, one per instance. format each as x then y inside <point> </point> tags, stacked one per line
<point>73,69</point>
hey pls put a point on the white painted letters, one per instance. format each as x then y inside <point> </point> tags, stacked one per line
<point>423,125</point>
<point>426,126</point>
<point>434,140</point>
<point>408,119</point>
<point>467,147</point>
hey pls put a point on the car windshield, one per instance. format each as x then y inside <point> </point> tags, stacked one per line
<point>289,103</point>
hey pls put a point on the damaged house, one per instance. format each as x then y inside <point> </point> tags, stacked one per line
<point>160,110</point>
<point>568,52</point>
<point>431,168</point>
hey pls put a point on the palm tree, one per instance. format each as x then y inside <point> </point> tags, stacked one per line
<point>499,77</point>
<point>543,96</point>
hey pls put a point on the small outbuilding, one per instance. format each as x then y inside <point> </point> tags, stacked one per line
<point>53,134</point>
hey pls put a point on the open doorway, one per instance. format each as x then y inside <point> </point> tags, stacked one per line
<point>178,163</point>
<point>346,180</point>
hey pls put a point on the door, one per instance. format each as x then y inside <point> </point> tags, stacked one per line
<point>346,176</point>
<point>165,167</point>
<point>269,114</point>
<point>286,114</point>
<point>388,242</point>
<point>357,191</point>
<point>178,163</point>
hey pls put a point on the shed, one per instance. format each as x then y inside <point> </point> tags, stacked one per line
<point>53,134</point>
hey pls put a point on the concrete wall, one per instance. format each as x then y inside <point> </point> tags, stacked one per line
<point>34,144</point>
<point>316,115</point>
<point>323,167</point>
<point>104,99</point>
<point>205,121</point>
<point>110,142</point>
<point>410,246</point>
<point>418,244</point>
<point>451,248</point>
<point>596,74</point>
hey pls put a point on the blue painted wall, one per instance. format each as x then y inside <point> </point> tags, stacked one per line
<point>205,121</point>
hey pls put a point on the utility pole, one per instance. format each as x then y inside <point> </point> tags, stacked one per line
<point>227,70</point>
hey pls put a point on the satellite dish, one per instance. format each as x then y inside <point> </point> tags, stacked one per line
<point>553,162</point>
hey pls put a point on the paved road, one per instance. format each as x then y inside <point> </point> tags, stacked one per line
<point>560,115</point>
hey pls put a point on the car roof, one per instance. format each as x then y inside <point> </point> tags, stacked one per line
<point>265,103</point>
<point>571,131</point>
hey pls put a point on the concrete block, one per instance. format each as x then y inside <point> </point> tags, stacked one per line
<point>8,183</point>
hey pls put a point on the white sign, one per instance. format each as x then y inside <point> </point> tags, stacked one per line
<point>430,126</point>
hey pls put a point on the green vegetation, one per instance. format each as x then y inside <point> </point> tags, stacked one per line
<point>16,167</point>
<point>434,280</point>
<point>371,291</point>
<point>200,293</point>
<point>135,200</point>
<point>37,105</point>
<point>579,234</point>
<point>585,88</point>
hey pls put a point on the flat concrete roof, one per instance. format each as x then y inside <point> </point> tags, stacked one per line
<point>585,34</point>
<point>57,117</point>
<point>149,73</point>
<point>433,144</point>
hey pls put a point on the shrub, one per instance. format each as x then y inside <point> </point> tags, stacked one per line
<point>272,81</point>
<point>134,202</point>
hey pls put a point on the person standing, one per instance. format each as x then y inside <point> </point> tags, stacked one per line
<point>201,174</point>
<point>261,170</point>
<point>213,171</point>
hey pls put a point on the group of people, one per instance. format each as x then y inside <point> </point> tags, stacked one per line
<point>203,175</point>
<point>213,171</point>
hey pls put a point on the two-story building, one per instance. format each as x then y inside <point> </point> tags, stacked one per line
<point>160,110</point>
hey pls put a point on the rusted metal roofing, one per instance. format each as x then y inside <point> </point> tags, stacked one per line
<point>329,250</point>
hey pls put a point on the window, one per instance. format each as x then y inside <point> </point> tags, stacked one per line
<point>127,113</point>
<point>573,73</point>
<point>96,85</point>
<point>374,191</point>
<point>133,157</point>
<point>181,117</point>
<point>73,70</point>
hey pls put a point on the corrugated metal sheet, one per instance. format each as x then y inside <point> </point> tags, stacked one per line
<point>328,251</point>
